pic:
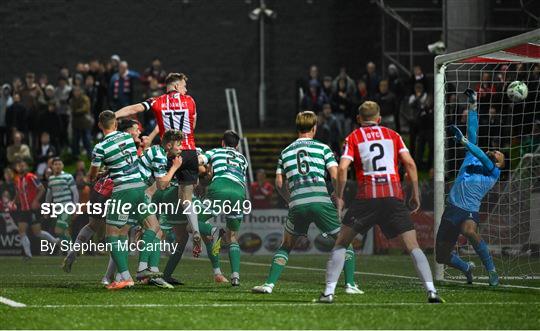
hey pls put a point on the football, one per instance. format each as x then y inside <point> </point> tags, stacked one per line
<point>517,91</point>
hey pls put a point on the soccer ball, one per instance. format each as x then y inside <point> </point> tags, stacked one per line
<point>517,91</point>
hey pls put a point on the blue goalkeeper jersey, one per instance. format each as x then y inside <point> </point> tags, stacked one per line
<point>472,184</point>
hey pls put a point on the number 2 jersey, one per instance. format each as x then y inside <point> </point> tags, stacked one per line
<point>174,111</point>
<point>304,163</point>
<point>375,153</point>
<point>118,152</point>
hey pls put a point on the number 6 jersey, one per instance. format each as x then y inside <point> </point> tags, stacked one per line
<point>375,153</point>
<point>304,164</point>
<point>174,111</point>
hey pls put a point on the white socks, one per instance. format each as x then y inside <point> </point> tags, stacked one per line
<point>85,234</point>
<point>47,236</point>
<point>25,242</point>
<point>111,269</point>
<point>217,271</point>
<point>333,269</point>
<point>422,269</point>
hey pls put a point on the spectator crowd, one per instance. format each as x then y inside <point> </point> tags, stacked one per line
<point>407,106</point>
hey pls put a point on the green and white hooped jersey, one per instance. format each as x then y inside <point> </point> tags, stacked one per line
<point>304,164</point>
<point>153,164</point>
<point>228,163</point>
<point>60,187</point>
<point>118,152</point>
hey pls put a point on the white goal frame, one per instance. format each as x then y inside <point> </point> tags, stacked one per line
<point>440,65</point>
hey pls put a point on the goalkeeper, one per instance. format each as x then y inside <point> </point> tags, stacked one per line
<point>477,175</point>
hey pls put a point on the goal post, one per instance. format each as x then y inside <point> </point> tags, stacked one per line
<point>463,69</point>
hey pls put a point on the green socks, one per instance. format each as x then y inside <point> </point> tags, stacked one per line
<point>118,256</point>
<point>349,266</point>
<point>234,258</point>
<point>214,259</point>
<point>147,237</point>
<point>155,255</point>
<point>279,261</point>
<point>205,229</point>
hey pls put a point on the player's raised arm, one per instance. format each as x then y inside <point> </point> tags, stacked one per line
<point>472,148</point>
<point>130,110</point>
<point>472,117</point>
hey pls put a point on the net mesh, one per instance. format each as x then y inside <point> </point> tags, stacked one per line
<point>510,213</point>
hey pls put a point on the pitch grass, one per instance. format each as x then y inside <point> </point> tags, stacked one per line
<point>56,300</point>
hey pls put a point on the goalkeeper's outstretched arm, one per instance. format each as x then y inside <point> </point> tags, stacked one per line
<point>472,117</point>
<point>472,148</point>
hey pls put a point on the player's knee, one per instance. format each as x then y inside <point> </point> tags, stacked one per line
<point>285,247</point>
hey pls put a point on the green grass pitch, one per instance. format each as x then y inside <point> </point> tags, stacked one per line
<point>394,298</point>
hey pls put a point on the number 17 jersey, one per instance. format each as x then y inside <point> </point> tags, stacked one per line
<point>174,111</point>
<point>375,152</point>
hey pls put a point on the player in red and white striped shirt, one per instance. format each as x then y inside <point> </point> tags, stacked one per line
<point>175,110</point>
<point>376,152</point>
<point>29,193</point>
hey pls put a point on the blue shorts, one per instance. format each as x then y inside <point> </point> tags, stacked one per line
<point>450,227</point>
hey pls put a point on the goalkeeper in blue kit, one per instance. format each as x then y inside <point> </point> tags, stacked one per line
<point>478,174</point>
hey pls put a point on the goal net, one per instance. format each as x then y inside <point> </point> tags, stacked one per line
<point>510,213</point>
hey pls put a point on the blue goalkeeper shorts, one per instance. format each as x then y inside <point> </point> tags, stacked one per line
<point>451,221</point>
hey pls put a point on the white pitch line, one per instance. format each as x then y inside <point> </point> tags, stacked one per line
<point>11,303</point>
<point>388,275</point>
<point>282,304</point>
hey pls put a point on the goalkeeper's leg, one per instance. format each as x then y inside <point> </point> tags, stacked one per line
<point>447,236</point>
<point>470,230</point>
<point>85,234</point>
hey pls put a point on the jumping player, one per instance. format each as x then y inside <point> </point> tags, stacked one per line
<point>175,110</point>
<point>376,151</point>
<point>477,175</point>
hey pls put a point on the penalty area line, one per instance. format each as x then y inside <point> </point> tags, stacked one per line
<point>12,303</point>
<point>387,275</point>
<point>281,304</point>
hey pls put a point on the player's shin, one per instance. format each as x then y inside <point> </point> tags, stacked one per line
<point>483,252</point>
<point>25,242</point>
<point>147,238</point>
<point>349,267</point>
<point>155,255</point>
<point>117,254</point>
<point>279,261</point>
<point>214,259</point>
<point>458,263</point>
<point>234,258</point>
<point>333,269</point>
<point>174,259</point>
<point>423,269</point>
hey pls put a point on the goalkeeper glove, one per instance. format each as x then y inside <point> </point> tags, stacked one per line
<point>457,135</point>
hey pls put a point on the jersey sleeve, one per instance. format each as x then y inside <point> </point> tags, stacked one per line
<point>97,156</point>
<point>207,156</point>
<point>348,148</point>
<point>35,180</point>
<point>159,164</point>
<point>329,159</point>
<point>280,169</point>
<point>400,145</point>
<point>147,104</point>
